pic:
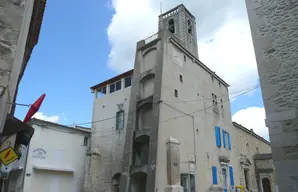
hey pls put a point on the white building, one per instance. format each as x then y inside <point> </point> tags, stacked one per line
<point>56,160</point>
<point>166,124</point>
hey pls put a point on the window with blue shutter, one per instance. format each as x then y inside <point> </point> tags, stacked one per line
<point>214,175</point>
<point>217,136</point>
<point>231,172</point>
<point>229,141</point>
<point>224,138</point>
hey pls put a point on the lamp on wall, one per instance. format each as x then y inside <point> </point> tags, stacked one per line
<point>2,90</point>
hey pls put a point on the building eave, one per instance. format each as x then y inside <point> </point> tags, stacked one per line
<point>34,31</point>
<point>176,42</point>
<point>250,132</point>
<point>112,80</point>
<point>79,129</point>
<point>263,156</point>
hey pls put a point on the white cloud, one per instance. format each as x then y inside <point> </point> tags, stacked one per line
<point>223,33</point>
<point>52,118</point>
<point>253,118</point>
<point>231,55</point>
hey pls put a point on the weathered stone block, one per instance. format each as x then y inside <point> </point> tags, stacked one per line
<point>281,116</point>
<point>174,188</point>
<point>286,168</point>
<point>284,139</point>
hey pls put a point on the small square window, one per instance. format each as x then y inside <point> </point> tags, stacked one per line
<point>184,58</point>
<point>118,85</point>
<point>104,90</point>
<point>214,102</point>
<point>176,93</point>
<point>100,92</point>
<point>112,88</point>
<point>127,81</point>
<point>181,78</point>
<point>85,141</point>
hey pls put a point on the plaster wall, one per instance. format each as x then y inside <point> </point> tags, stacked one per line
<point>195,132</point>
<point>56,159</point>
<point>108,141</point>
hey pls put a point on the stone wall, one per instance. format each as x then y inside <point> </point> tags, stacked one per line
<point>11,18</point>
<point>274,27</point>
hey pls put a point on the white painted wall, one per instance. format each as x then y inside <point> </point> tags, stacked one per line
<point>64,150</point>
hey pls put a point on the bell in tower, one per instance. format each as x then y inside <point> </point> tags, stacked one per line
<point>182,24</point>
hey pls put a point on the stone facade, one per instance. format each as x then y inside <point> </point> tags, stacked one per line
<point>265,172</point>
<point>20,22</point>
<point>11,19</point>
<point>160,120</point>
<point>107,141</point>
<point>274,28</point>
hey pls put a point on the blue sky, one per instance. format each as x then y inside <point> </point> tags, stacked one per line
<point>72,55</point>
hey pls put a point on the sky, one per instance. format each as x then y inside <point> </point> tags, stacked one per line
<point>82,44</point>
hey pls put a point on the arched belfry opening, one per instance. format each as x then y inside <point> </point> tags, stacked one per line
<point>171,25</point>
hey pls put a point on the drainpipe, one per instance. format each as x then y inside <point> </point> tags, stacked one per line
<point>193,127</point>
<point>194,138</point>
<point>25,166</point>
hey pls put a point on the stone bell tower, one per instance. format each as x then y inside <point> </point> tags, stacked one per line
<point>182,24</point>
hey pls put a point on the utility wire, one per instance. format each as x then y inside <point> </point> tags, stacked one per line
<point>186,114</point>
<point>109,118</point>
<point>173,118</point>
<point>209,98</point>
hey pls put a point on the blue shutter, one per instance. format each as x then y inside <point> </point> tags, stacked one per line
<point>229,141</point>
<point>224,138</point>
<point>214,175</point>
<point>217,136</point>
<point>231,176</point>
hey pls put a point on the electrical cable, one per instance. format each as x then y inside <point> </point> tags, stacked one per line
<point>209,98</point>
<point>109,118</point>
<point>207,107</point>
<point>173,118</point>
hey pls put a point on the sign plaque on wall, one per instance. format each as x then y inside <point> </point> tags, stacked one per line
<point>39,153</point>
<point>8,156</point>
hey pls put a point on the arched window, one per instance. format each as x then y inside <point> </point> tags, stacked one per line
<point>266,185</point>
<point>171,25</point>
<point>116,182</point>
<point>189,26</point>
